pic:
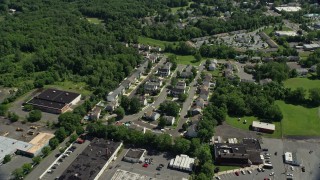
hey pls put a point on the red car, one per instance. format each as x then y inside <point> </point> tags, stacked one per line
<point>237,173</point>
<point>145,165</point>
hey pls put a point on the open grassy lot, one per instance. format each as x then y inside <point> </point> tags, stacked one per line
<point>175,9</point>
<point>71,86</point>
<point>298,120</point>
<point>233,121</point>
<point>306,83</point>
<point>95,20</point>
<point>271,29</point>
<point>153,42</point>
<point>227,168</point>
<point>186,59</point>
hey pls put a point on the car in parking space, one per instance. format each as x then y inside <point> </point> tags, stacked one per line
<point>266,154</point>
<point>266,179</point>
<point>259,169</point>
<point>303,169</point>
<point>271,174</point>
<point>242,171</point>
<point>250,172</point>
<point>218,178</point>
<point>265,149</point>
<point>145,165</point>
<point>291,168</point>
<point>237,173</point>
<point>50,171</point>
<point>290,175</point>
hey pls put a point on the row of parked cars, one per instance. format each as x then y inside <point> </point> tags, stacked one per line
<point>60,160</point>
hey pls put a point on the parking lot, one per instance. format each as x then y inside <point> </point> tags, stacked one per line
<point>151,170</point>
<point>281,170</point>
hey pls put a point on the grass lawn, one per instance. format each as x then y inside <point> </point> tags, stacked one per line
<point>175,9</point>
<point>306,83</point>
<point>227,168</point>
<point>298,120</point>
<point>186,59</point>
<point>95,20</point>
<point>233,121</point>
<point>153,42</point>
<point>304,54</point>
<point>71,86</point>
<point>271,29</point>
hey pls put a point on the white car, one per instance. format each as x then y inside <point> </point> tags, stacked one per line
<point>218,178</point>
<point>292,168</point>
<point>242,171</point>
<point>250,172</point>
<point>271,174</point>
<point>291,175</point>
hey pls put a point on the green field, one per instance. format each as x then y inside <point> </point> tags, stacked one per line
<point>227,168</point>
<point>233,121</point>
<point>298,120</point>
<point>306,83</point>
<point>175,9</point>
<point>186,59</point>
<point>271,29</point>
<point>304,54</point>
<point>71,86</point>
<point>153,42</point>
<point>95,20</point>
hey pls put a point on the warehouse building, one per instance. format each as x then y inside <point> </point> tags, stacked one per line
<point>9,146</point>
<point>55,101</point>
<point>285,33</point>
<point>134,155</point>
<point>93,161</point>
<point>182,162</point>
<point>309,47</point>
<point>122,175</point>
<point>263,127</point>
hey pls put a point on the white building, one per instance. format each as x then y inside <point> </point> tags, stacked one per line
<point>134,155</point>
<point>288,9</point>
<point>285,33</point>
<point>182,162</point>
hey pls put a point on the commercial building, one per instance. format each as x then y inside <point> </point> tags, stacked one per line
<point>309,47</point>
<point>93,161</point>
<point>288,8</point>
<point>54,101</point>
<point>245,153</point>
<point>9,146</point>
<point>134,155</point>
<point>291,158</point>
<point>285,33</point>
<point>263,127</point>
<point>182,162</point>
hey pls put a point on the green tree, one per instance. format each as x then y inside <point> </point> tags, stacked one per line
<point>3,109</point>
<point>170,108</point>
<point>28,107</point>
<point>162,122</point>
<point>26,168</point>
<point>36,159</point>
<point>18,174</point>
<point>13,117</point>
<point>125,103</point>
<point>79,130</point>
<point>73,138</point>
<point>164,142</point>
<point>7,158</point>
<point>208,169</point>
<point>314,95</point>
<point>135,105</point>
<point>34,115</point>
<point>318,70</point>
<point>54,142</point>
<point>182,97</point>
<point>119,112</point>
<point>203,153</point>
<point>46,150</point>
<point>181,145</point>
<point>61,134</point>
<point>198,57</point>
<point>69,121</point>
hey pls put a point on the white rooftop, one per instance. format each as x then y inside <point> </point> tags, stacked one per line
<point>286,33</point>
<point>288,156</point>
<point>10,146</point>
<point>262,125</point>
<point>288,8</point>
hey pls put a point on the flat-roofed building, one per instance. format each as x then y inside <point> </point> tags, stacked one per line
<point>263,127</point>
<point>309,47</point>
<point>93,161</point>
<point>288,8</point>
<point>134,155</point>
<point>54,101</point>
<point>39,142</point>
<point>286,33</point>
<point>291,158</point>
<point>182,162</point>
<point>9,146</point>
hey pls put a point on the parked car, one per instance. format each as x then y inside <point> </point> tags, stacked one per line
<point>265,149</point>
<point>145,165</point>
<point>292,168</point>
<point>291,175</point>
<point>218,178</point>
<point>259,169</point>
<point>303,169</point>
<point>237,173</point>
<point>271,174</point>
<point>161,165</point>
<point>250,172</point>
<point>242,171</point>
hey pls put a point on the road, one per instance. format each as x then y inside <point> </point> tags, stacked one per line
<point>160,63</point>
<point>45,163</point>
<point>187,104</point>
